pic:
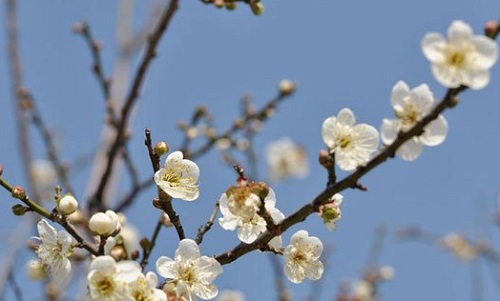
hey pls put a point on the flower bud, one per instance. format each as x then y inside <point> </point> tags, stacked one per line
<point>165,220</point>
<point>1,170</point>
<point>219,3</point>
<point>104,223</point>
<point>490,27</point>
<point>19,192</point>
<point>67,204</point>
<point>230,5</point>
<point>386,272</point>
<point>258,8</point>
<point>35,270</point>
<point>287,87</point>
<point>161,148</point>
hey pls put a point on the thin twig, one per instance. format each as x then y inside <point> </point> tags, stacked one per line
<point>15,287</point>
<point>48,140</point>
<point>152,243</point>
<point>119,140</point>
<point>165,200</point>
<point>206,227</point>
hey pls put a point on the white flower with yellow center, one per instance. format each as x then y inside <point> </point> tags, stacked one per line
<point>240,211</point>
<point>285,159</point>
<point>109,280</point>
<point>463,59</point>
<point>353,144</point>
<point>191,273</point>
<point>179,177</point>
<point>54,250</point>
<point>410,107</point>
<point>144,288</point>
<point>302,257</point>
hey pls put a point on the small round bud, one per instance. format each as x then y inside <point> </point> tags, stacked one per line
<point>258,8</point>
<point>104,223</point>
<point>161,148</point>
<point>490,27</point>
<point>19,192</point>
<point>223,144</point>
<point>19,210</point>
<point>219,3</point>
<point>386,272</point>
<point>78,27</point>
<point>287,87</point>
<point>67,205</point>
<point>35,270</point>
<point>231,5</point>
<point>1,170</point>
<point>192,133</point>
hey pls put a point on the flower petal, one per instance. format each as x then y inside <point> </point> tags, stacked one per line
<point>486,52</point>
<point>410,150</point>
<point>459,31</point>
<point>476,79</point>
<point>435,132</point>
<point>346,117</point>
<point>422,98</point>
<point>446,76</point>
<point>389,130</point>
<point>433,46</point>
<point>400,91</point>
<point>187,250</point>
<point>328,131</point>
<point>165,267</point>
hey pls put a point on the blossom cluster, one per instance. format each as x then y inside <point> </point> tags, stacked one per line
<point>249,208</point>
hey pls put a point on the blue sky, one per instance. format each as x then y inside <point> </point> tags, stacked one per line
<point>341,54</point>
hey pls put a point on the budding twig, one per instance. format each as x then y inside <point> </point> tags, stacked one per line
<point>208,225</point>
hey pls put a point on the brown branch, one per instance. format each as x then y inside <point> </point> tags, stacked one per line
<point>48,140</point>
<point>16,74</point>
<point>130,197</point>
<point>208,225</point>
<point>83,29</point>
<point>165,200</point>
<point>301,214</point>
<point>150,53</point>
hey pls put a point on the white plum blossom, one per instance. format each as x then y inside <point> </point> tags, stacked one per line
<point>53,251</point>
<point>144,288</point>
<point>179,177</point>
<point>231,295</point>
<point>302,257</point>
<point>240,206</point>
<point>286,159</point>
<point>463,59</point>
<point>353,144</point>
<point>331,212</point>
<point>109,280</point>
<point>104,223</point>
<point>410,107</point>
<point>191,273</point>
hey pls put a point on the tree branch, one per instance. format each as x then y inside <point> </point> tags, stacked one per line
<point>150,53</point>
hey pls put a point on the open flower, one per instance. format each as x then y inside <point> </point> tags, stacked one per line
<point>286,159</point>
<point>179,177</point>
<point>191,273</point>
<point>410,107</point>
<point>240,206</point>
<point>144,288</point>
<point>109,280</point>
<point>302,257</point>
<point>54,250</point>
<point>462,60</point>
<point>352,143</point>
